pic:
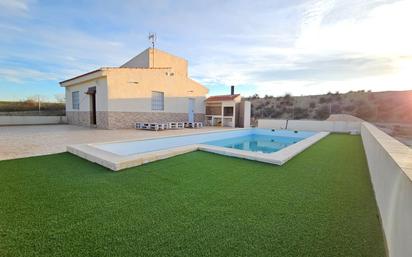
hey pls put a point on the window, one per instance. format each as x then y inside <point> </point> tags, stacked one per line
<point>75,100</point>
<point>157,101</point>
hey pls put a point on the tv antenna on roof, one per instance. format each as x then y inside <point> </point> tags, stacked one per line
<point>152,38</point>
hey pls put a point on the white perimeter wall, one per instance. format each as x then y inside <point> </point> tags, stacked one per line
<point>246,114</point>
<point>31,120</point>
<point>390,167</point>
<point>311,125</point>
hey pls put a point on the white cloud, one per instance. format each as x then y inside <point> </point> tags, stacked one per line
<point>356,45</point>
<point>384,30</point>
<point>20,75</point>
<point>14,7</point>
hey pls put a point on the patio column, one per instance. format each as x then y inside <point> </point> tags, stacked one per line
<point>222,113</point>
<point>234,116</point>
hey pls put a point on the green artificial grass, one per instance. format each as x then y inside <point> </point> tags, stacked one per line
<point>320,203</point>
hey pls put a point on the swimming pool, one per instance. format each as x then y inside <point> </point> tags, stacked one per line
<point>218,138</point>
<point>256,143</point>
<point>272,146</point>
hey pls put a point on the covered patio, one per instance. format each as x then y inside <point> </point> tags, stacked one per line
<point>221,110</point>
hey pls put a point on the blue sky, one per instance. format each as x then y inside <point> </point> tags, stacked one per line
<point>265,47</point>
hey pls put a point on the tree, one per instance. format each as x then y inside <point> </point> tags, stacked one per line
<point>255,96</point>
<point>312,105</point>
<point>287,96</point>
<point>287,100</point>
<point>323,100</point>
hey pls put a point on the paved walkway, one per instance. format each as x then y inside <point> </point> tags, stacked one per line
<point>26,141</point>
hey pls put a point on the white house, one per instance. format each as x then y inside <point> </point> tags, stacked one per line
<point>152,87</point>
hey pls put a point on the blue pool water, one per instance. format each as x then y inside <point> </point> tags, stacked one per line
<point>256,143</point>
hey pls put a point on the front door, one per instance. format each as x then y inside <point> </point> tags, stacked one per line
<point>92,94</point>
<point>191,110</point>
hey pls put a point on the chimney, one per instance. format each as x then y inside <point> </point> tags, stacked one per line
<point>232,90</point>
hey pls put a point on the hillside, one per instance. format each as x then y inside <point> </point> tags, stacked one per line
<point>390,106</point>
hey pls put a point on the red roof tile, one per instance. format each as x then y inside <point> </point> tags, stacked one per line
<point>222,97</point>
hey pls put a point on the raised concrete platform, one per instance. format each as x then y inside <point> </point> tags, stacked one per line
<point>35,140</point>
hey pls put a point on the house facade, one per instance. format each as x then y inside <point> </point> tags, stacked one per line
<point>152,87</point>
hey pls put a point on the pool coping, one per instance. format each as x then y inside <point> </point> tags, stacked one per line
<point>119,162</point>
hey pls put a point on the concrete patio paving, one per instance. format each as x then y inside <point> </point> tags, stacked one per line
<point>26,141</point>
